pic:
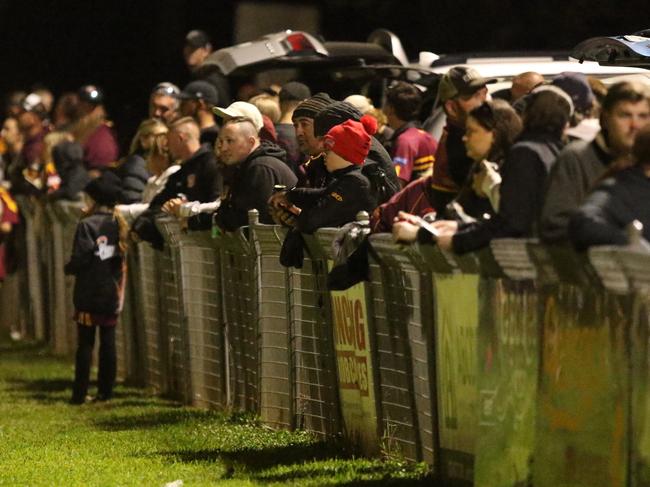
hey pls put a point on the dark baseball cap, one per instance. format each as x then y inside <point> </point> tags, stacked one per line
<point>294,91</point>
<point>200,90</point>
<point>196,38</point>
<point>460,81</point>
<point>577,87</point>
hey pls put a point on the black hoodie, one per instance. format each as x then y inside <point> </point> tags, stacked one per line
<point>68,159</point>
<point>134,176</point>
<point>615,203</point>
<point>252,186</point>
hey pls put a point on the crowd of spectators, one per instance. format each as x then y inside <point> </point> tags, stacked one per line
<point>564,159</point>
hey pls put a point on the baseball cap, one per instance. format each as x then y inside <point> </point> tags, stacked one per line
<point>32,102</point>
<point>197,38</point>
<point>166,88</point>
<point>294,91</point>
<point>577,87</point>
<point>362,103</point>
<point>200,90</point>
<point>241,109</point>
<point>461,80</point>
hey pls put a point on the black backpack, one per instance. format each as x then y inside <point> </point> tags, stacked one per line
<point>382,188</point>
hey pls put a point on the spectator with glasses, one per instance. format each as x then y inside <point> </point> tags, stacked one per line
<point>164,102</point>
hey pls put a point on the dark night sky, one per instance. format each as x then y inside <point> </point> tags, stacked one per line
<point>128,46</point>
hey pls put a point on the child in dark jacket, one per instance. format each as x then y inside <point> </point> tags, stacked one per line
<point>349,191</point>
<point>99,265</point>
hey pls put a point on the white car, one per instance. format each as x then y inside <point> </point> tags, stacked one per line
<point>504,68</point>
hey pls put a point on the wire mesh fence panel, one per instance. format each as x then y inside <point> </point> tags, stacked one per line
<point>179,379</point>
<point>316,398</point>
<point>239,284</point>
<point>57,309</point>
<point>398,416</point>
<point>125,333</point>
<point>135,345</point>
<point>155,336</point>
<point>201,283</point>
<point>274,329</point>
<point>34,271</point>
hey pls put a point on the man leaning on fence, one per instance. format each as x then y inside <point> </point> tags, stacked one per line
<point>196,180</point>
<point>258,168</point>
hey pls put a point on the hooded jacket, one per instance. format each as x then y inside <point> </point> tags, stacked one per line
<point>98,265</point>
<point>68,159</point>
<point>252,186</point>
<point>134,175</point>
<point>335,205</point>
<point>605,214</point>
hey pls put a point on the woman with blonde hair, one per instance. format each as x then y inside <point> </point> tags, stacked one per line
<point>160,166</point>
<point>132,169</point>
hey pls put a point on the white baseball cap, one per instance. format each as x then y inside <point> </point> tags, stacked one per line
<point>241,109</point>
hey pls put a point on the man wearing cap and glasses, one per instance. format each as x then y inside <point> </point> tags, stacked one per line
<point>197,48</point>
<point>460,90</point>
<point>163,102</point>
<point>198,99</point>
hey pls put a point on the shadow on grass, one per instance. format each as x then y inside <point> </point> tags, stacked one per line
<point>156,419</point>
<point>321,459</point>
<point>255,459</point>
<point>19,347</point>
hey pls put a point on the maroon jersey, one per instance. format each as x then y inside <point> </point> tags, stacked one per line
<point>413,152</point>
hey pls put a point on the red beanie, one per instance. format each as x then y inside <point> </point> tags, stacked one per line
<point>351,139</point>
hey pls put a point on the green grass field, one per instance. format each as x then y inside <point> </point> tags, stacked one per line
<point>141,440</point>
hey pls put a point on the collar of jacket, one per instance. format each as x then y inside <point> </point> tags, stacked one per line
<point>342,172</point>
<point>201,150</point>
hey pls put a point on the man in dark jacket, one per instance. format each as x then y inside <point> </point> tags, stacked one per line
<point>258,168</point>
<point>617,202</point>
<point>625,110</point>
<point>197,48</point>
<point>197,179</point>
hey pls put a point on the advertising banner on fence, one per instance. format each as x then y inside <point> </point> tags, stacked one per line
<point>508,351</point>
<point>583,400</point>
<point>355,368</point>
<point>456,318</point>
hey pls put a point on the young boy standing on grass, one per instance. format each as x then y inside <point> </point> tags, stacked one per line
<point>99,265</point>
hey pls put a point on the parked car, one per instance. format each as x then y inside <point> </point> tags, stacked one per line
<point>621,50</point>
<point>338,68</point>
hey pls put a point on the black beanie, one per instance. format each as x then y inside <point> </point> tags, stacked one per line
<point>334,114</point>
<point>105,189</point>
<point>311,106</point>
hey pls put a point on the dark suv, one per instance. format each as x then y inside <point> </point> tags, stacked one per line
<point>338,68</point>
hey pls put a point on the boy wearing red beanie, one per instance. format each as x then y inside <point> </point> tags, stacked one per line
<point>347,146</point>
